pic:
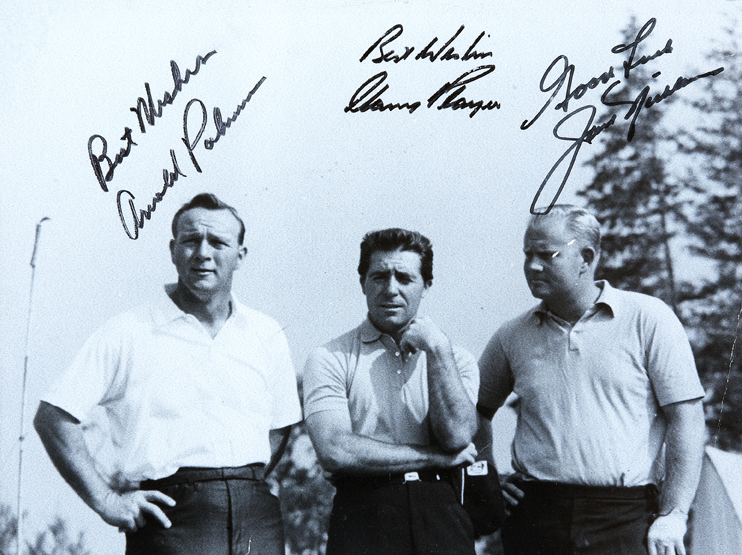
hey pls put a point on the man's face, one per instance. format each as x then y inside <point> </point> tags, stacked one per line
<point>553,259</point>
<point>394,288</point>
<point>206,250</point>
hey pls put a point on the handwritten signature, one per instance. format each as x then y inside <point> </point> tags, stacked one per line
<point>368,97</point>
<point>590,131</point>
<point>170,177</point>
<point>146,111</point>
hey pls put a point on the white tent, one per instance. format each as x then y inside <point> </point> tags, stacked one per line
<point>717,509</point>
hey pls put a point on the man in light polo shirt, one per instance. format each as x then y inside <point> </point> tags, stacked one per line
<point>604,379</point>
<point>390,408</point>
<point>199,394</point>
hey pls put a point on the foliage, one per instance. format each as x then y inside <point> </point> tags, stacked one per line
<point>636,198</point>
<point>54,541</point>
<point>669,196</point>
<point>716,223</point>
<point>306,496</point>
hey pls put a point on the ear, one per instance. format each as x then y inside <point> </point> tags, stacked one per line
<point>172,250</point>
<point>241,254</point>
<point>363,283</point>
<point>428,284</point>
<point>589,258</point>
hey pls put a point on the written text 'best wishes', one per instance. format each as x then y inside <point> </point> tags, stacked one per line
<point>147,112</point>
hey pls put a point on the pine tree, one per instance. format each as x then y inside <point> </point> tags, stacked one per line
<point>637,200</point>
<point>717,224</point>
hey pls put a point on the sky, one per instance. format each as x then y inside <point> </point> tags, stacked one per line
<point>309,177</point>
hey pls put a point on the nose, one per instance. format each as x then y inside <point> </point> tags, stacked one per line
<point>534,264</point>
<point>204,250</point>
<point>392,286</point>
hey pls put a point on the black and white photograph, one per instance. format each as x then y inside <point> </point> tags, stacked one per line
<point>383,277</point>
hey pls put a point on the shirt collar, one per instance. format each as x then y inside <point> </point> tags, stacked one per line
<point>608,297</point>
<point>167,311</point>
<point>369,332</point>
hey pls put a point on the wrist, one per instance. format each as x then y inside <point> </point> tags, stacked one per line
<point>676,512</point>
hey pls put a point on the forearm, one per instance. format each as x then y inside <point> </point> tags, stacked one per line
<point>684,442</point>
<point>340,450</point>
<point>359,455</point>
<point>453,416</point>
<point>483,440</point>
<point>62,437</point>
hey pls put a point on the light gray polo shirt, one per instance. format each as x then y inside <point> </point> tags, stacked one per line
<point>590,394</point>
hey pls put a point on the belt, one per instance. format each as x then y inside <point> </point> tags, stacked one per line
<point>558,490</point>
<point>393,479</point>
<point>189,475</point>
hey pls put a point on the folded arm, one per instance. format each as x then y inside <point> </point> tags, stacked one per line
<point>453,417</point>
<point>341,451</point>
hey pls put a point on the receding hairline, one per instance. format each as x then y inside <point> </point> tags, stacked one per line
<point>575,219</point>
<point>238,221</point>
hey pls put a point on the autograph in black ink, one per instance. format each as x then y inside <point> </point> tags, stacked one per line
<point>143,113</point>
<point>170,177</point>
<point>368,97</point>
<point>590,131</point>
<point>426,53</point>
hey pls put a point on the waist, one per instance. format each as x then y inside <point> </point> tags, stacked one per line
<point>561,491</point>
<point>189,475</point>
<point>434,475</point>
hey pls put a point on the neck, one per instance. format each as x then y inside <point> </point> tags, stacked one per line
<point>208,309</point>
<point>572,309</point>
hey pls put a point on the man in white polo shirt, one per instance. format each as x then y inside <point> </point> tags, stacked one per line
<point>604,379</point>
<point>198,393</point>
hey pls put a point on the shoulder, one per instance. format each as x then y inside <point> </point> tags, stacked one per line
<point>516,326</point>
<point>339,347</point>
<point>259,323</point>
<point>126,324</point>
<point>648,309</point>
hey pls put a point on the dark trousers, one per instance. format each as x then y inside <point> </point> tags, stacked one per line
<point>554,519</point>
<point>218,517</point>
<point>416,518</point>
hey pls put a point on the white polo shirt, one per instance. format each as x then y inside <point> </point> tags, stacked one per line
<point>156,392</point>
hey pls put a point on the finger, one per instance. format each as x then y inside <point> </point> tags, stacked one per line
<point>652,548</point>
<point>140,520</point>
<point>509,499</point>
<point>156,512</point>
<point>158,496</point>
<point>513,490</point>
<point>129,526</point>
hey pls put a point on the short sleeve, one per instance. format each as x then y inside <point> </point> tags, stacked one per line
<point>93,376</point>
<point>496,381</point>
<point>670,363</point>
<point>324,383</point>
<point>469,372</point>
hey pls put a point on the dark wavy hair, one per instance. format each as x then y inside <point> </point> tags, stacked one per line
<point>209,201</point>
<point>392,239</point>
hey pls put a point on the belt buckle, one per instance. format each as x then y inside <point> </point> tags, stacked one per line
<point>411,477</point>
